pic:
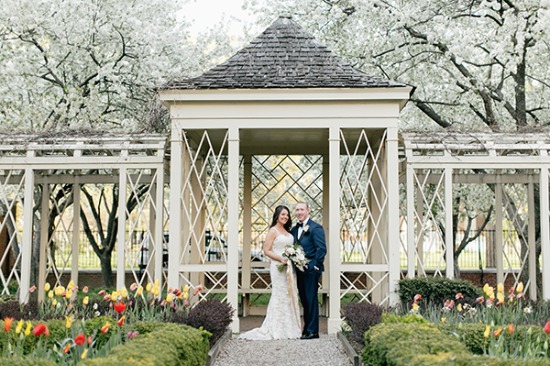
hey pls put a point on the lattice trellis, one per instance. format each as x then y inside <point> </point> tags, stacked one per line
<point>429,238</point>
<point>363,215</point>
<point>12,184</point>
<point>280,179</point>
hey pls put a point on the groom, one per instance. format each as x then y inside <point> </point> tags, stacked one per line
<point>311,237</point>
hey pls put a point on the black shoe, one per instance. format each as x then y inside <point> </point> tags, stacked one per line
<point>310,336</point>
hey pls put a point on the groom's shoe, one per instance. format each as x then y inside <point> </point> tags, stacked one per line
<point>310,336</point>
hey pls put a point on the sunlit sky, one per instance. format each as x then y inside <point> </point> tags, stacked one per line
<point>206,13</point>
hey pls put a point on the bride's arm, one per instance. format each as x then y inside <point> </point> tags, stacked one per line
<point>268,247</point>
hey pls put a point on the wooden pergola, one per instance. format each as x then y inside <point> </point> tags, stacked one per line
<point>514,164</point>
<point>31,165</point>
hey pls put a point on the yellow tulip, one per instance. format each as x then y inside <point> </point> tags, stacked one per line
<point>169,298</point>
<point>59,290</point>
<point>157,282</point>
<point>70,285</point>
<point>28,329</point>
<point>85,300</point>
<point>149,287</point>
<point>500,287</point>
<point>68,322</point>
<point>84,354</point>
<point>115,295</point>
<point>487,331</point>
<point>68,294</point>
<point>519,289</point>
<point>50,294</point>
<point>459,308</point>
<point>139,291</point>
<point>185,295</point>
<point>54,302</point>
<point>500,297</point>
<point>186,288</point>
<point>123,292</point>
<point>443,320</point>
<point>47,287</point>
<point>19,326</point>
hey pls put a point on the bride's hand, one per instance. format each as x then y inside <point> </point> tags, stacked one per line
<point>284,260</point>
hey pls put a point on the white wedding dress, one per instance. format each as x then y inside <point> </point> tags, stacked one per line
<point>282,320</point>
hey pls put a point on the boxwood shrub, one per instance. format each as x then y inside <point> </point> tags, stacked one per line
<point>435,290</point>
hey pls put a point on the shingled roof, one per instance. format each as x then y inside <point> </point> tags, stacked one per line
<point>283,56</point>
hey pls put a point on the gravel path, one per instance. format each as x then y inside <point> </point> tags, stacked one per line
<point>327,350</point>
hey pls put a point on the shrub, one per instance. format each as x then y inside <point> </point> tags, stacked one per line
<point>169,344</point>
<point>360,317</point>
<point>435,290</point>
<point>13,309</point>
<point>399,343</point>
<point>388,318</point>
<point>211,315</point>
<point>25,362</point>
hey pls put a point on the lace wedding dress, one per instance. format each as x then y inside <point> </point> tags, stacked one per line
<point>282,320</point>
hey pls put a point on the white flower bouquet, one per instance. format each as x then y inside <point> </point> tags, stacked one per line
<point>295,254</point>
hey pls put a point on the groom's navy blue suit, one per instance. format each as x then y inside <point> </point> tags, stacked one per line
<point>313,242</point>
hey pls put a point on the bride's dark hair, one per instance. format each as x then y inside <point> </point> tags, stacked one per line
<point>276,215</point>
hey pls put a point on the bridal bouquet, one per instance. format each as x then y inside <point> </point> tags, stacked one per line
<point>295,253</point>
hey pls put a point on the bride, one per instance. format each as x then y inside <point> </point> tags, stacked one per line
<point>282,319</point>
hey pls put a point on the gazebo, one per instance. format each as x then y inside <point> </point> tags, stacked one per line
<point>285,97</point>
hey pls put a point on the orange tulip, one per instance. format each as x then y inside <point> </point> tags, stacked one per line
<point>511,328</point>
<point>67,347</point>
<point>7,324</point>
<point>497,332</point>
<point>104,329</point>
<point>121,321</point>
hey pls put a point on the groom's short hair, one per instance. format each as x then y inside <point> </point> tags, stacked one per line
<point>302,203</point>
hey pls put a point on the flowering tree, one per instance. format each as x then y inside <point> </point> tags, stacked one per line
<point>476,65</point>
<point>92,64</point>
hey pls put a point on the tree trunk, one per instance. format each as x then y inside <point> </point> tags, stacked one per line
<point>106,270</point>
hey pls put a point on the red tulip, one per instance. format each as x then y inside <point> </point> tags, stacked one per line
<point>121,321</point>
<point>80,339</point>
<point>104,329</point>
<point>120,307</point>
<point>547,327</point>
<point>40,329</point>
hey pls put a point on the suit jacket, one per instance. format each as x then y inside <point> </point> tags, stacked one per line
<point>313,242</point>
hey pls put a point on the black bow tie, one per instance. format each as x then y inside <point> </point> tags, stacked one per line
<point>300,224</point>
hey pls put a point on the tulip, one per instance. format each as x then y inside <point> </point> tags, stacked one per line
<point>487,331</point>
<point>186,288</point>
<point>459,308</point>
<point>115,295</point>
<point>84,354</point>
<point>107,297</point>
<point>67,347</point>
<point>121,321</point>
<point>68,294</point>
<point>7,324</point>
<point>70,285</point>
<point>40,329</point>
<point>459,296</point>
<point>500,287</point>
<point>19,326</point>
<point>68,322</point>
<point>102,293</point>
<point>120,307</point>
<point>50,294</point>
<point>186,303</point>
<point>133,286</point>
<point>28,329</point>
<point>185,295</point>
<point>197,290</point>
<point>32,289</point>
<point>497,332</point>
<point>169,298</point>
<point>547,327</point>
<point>80,339</point>
<point>519,289</point>
<point>443,320</point>
<point>480,300</point>
<point>123,292</point>
<point>148,287</point>
<point>47,287</point>
<point>59,291</point>
<point>90,339</point>
<point>85,300</point>
<point>104,329</point>
<point>139,291</point>
<point>54,302</point>
<point>511,328</point>
<point>85,290</point>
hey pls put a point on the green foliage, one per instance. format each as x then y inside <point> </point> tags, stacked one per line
<point>388,318</point>
<point>435,290</point>
<point>25,362</point>
<point>167,344</point>
<point>399,343</point>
